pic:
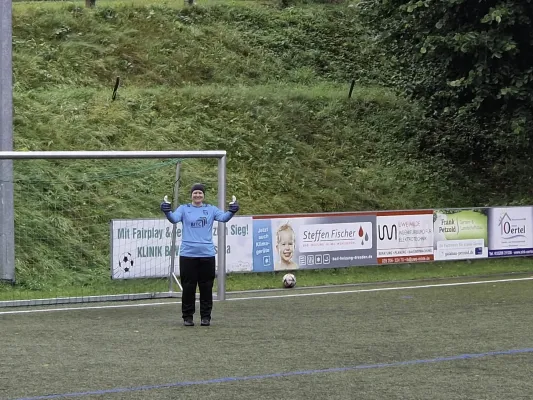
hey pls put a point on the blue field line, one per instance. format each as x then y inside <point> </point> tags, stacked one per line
<point>278,375</point>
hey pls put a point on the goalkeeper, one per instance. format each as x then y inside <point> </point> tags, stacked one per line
<point>197,251</point>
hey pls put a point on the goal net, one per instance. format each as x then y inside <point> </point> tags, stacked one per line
<point>88,225</point>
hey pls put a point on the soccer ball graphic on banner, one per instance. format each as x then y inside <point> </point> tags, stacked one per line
<point>125,262</point>
<point>289,281</point>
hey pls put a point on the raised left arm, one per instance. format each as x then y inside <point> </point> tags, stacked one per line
<point>222,216</point>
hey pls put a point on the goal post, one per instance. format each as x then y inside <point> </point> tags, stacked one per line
<point>7,266</point>
<point>219,155</point>
<point>172,275</point>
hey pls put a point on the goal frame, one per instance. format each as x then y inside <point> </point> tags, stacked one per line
<point>220,155</point>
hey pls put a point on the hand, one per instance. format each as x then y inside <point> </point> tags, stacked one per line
<point>166,206</point>
<point>233,206</point>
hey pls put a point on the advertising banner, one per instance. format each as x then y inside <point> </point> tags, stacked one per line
<point>404,236</point>
<point>510,231</point>
<point>317,241</point>
<point>460,234</point>
<point>141,248</point>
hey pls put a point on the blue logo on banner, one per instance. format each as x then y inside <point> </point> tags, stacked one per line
<point>263,254</point>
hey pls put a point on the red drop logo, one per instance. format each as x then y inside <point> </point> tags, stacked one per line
<point>361,231</point>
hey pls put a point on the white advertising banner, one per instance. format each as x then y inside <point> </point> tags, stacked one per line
<point>335,237</point>
<point>510,231</point>
<point>405,236</point>
<point>141,248</point>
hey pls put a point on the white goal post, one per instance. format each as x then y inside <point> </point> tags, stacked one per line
<point>220,155</point>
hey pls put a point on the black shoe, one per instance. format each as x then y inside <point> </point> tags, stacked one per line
<point>205,322</point>
<point>188,322</point>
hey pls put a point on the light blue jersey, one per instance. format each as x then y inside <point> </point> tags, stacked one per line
<point>197,222</point>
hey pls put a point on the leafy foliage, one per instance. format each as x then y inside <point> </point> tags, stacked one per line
<point>472,63</point>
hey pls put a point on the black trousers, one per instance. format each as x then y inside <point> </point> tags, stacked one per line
<point>197,271</point>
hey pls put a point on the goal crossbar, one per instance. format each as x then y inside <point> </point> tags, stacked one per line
<point>32,155</point>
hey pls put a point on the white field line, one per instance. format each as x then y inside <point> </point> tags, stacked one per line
<point>383,289</point>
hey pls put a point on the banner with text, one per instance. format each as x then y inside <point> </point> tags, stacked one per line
<point>404,236</point>
<point>319,241</point>
<point>510,231</point>
<point>141,248</point>
<point>460,234</point>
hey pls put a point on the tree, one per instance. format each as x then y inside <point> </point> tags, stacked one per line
<point>471,63</point>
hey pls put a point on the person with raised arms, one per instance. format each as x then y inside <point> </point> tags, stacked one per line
<point>197,250</point>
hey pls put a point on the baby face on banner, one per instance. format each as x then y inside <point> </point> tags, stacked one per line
<point>285,246</point>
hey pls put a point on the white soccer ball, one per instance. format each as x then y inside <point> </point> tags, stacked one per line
<point>125,262</point>
<point>289,281</point>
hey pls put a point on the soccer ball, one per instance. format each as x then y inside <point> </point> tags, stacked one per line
<point>125,262</point>
<point>289,281</point>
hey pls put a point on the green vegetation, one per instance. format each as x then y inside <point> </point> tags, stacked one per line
<point>267,84</point>
<point>469,64</point>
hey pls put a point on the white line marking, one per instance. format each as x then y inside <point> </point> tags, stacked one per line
<point>436,285</point>
<point>87,308</point>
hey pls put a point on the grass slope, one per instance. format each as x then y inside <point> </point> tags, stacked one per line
<point>267,85</point>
